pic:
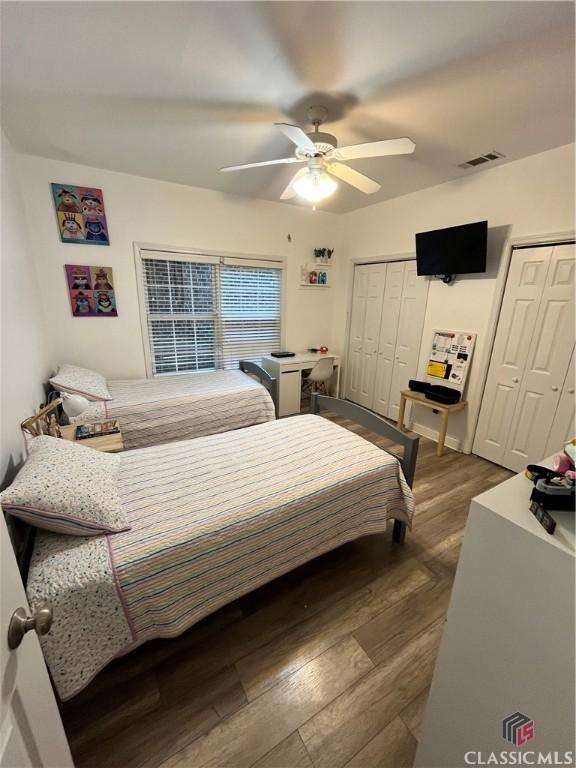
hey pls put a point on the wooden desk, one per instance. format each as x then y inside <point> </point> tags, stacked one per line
<point>288,372</point>
<point>445,410</point>
<point>106,443</point>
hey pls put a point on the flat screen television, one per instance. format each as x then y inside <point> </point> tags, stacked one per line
<point>452,251</point>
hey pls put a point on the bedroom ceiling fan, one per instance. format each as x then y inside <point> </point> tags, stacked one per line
<point>323,158</point>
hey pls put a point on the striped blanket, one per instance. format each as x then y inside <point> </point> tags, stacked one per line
<point>212,519</point>
<point>166,408</point>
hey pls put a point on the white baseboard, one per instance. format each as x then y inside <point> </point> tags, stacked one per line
<point>451,442</point>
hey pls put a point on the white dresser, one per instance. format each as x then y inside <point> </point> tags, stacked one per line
<point>508,644</point>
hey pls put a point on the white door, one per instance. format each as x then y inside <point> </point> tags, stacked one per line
<point>360,292</point>
<point>524,287</point>
<point>564,424</point>
<point>548,361</point>
<point>388,336</point>
<point>403,312</point>
<point>530,358</point>
<point>410,324</point>
<point>364,339</point>
<point>31,732</point>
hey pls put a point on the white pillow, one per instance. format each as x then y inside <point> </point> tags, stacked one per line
<point>67,488</point>
<point>80,381</point>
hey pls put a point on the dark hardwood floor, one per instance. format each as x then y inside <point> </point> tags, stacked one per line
<point>325,667</point>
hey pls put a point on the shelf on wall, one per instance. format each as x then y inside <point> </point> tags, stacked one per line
<point>314,285</point>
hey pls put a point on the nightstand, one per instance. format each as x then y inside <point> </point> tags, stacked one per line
<point>107,443</point>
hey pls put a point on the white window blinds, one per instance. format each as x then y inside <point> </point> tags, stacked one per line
<point>205,315</point>
<point>250,302</point>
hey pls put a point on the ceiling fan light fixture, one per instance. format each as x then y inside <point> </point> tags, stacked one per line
<point>315,186</point>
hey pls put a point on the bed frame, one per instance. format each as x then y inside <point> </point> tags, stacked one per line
<point>267,381</point>
<point>359,415</point>
<point>44,423</point>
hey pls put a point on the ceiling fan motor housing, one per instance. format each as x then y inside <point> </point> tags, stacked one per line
<point>324,142</point>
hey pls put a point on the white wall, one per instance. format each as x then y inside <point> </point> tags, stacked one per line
<point>529,197</point>
<point>533,196</point>
<point>145,210</point>
<point>25,352</point>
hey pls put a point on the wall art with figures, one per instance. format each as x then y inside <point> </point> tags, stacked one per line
<point>80,214</point>
<point>91,291</point>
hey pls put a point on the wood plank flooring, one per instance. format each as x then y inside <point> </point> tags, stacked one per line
<point>326,667</point>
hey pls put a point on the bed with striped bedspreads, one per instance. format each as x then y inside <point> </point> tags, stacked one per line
<point>167,408</point>
<point>212,519</point>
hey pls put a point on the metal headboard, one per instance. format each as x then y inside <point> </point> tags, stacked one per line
<point>271,384</point>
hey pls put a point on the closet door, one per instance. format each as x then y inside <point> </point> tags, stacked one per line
<point>364,331</point>
<point>564,424</point>
<point>376,279</point>
<point>359,294</point>
<point>516,324</point>
<point>548,361</point>
<point>388,336</point>
<point>409,338</point>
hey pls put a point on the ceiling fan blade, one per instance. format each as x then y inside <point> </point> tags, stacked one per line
<point>290,192</point>
<point>281,161</point>
<point>297,135</point>
<point>354,178</point>
<point>373,149</point>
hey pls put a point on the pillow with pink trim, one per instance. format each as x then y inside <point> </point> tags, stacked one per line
<point>67,488</point>
<point>80,381</point>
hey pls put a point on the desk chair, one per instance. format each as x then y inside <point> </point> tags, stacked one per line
<point>319,375</point>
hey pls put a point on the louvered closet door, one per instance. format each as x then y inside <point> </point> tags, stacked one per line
<point>548,361</point>
<point>524,287</point>
<point>410,324</point>
<point>388,336</point>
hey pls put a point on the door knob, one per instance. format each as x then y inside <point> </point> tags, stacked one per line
<point>515,379</point>
<point>20,623</point>
<point>554,389</point>
<point>571,391</point>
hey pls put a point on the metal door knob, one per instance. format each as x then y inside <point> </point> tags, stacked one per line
<point>554,389</point>
<point>515,379</point>
<point>571,391</point>
<point>20,623</point>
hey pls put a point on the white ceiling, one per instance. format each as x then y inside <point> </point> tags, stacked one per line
<point>176,90</point>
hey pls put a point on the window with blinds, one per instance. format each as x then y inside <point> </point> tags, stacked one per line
<point>250,313</point>
<point>203,316</point>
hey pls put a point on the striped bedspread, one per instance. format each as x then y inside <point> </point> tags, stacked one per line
<point>167,408</point>
<point>212,519</point>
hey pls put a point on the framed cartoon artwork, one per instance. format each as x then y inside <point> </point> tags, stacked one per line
<point>91,291</point>
<point>80,214</point>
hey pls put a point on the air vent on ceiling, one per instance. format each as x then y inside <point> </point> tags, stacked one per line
<point>487,158</point>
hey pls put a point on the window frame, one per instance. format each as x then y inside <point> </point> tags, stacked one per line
<point>220,258</point>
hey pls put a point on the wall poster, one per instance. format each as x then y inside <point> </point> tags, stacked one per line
<point>81,215</point>
<point>91,291</point>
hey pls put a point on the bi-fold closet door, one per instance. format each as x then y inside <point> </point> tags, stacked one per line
<point>385,334</point>
<point>528,403</point>
<point>364,331</point>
